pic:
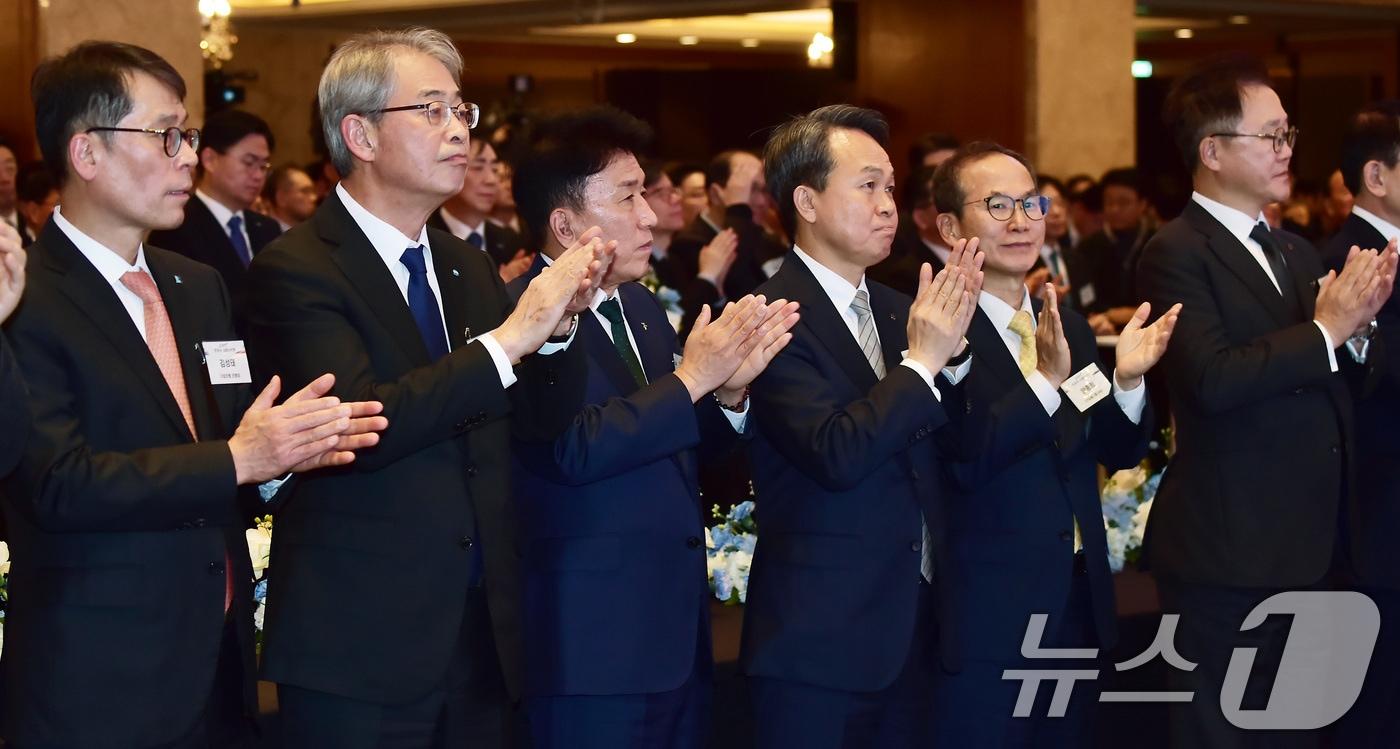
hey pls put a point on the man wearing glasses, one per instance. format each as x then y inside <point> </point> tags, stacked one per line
<point>129,618</point>
<point>1252,503</point>
<point>1022,500</point>
<point>393,614</point>
<point>219,230</point>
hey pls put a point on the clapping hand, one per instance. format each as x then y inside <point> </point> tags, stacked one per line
<point>12,257</point>
<point>1051,346</point>
<point>1139,348</point>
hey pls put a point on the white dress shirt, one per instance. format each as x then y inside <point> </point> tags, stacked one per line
<point>1388,231</point>
<point>460,229</point>
<point>222,214</point>
<point>390,244</point>
<point>110,266</point>
<point>999,312</point>
<point>1239,224</point>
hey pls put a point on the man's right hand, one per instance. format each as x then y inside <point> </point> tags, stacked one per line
<point>714,350</point>
<point>310,430</point>
<point>717,257</point>
<point>555,292</point>
<point>943,308</point>
<point>12,257</point>
<point>1351,299</point>
<point>741,180</point>
<point>1051,347</point>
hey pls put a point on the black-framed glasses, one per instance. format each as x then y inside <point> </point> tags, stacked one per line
<point>1003,207</point>
<point>466,113</point>
<point>172,136</point>
<point>253,163</point>
<point>1284,136</point>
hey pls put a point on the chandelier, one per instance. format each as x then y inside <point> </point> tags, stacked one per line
<point>216,38</point>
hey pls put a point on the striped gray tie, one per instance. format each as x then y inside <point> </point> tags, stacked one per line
<point>869,341</point>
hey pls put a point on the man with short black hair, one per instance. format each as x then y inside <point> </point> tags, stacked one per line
<point>734,183</point>
<point>467,215</point>
<point>220,228</point>
<point>289,195</point>
<point>1110,255</point>
<point>38,195</point>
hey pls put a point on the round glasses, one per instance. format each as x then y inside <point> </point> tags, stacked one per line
<point>1003,207</point>
<point>1284,136</point>
<point>171,136</point>
<point>438,112</point>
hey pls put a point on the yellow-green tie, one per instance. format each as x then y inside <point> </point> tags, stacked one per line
<point>1023,326</point>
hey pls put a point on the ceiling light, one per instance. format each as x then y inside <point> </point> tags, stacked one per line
<point>749,43</point>
<point>819,51</point>
<point>626,38</point>
<point>690,41</point>
<point>1237,20</point>
<point>1179,33</point>
<point>1142,68</point>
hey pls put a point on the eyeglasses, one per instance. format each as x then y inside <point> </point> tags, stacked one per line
<point>1003,207</point>
<point>467,113</point>
<point>253,163</point>
<point>172,136</point>
<point>1284,136</point>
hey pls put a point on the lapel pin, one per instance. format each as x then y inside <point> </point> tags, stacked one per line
<point>467,331</point>
<point>644,326</point>
<point>177,280</point>
<point>455,273</point>
<point>892,317</point>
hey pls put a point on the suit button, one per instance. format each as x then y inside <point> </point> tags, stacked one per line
<point>1336,449</point>
<point>471,472</point>
<point>467,542</point>
<point>216,568</point>
<point>916,545</point>
<point>692,543</point>
<point>1066,536</point>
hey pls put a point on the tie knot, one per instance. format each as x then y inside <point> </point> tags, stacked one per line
<point>861,304</point>
<point>413,260</point>
<point>1022,324</point>
<point>611,310</point>
<point>235,223</point>
<point>475,240</point>
<point>1261,234</point>
<point>142,285</point>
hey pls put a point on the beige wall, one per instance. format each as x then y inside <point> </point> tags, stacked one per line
<point>288,65</point>
<point>168,27</point>
<point>1080,108</point>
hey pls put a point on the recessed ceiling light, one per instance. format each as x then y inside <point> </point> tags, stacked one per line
<point>1142,68</point>
<point>1237,20</point>
<point>690,41</point>
<point>1180,34</point>
<point>750,43</point>
<point>626,38</point>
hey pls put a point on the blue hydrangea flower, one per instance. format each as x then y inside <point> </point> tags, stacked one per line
<point>260,591</point>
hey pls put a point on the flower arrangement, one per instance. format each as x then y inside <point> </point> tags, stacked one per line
<point>729,552</point>
<point>260,551</point>
<point>1126,500</point>
<point>670,298</point>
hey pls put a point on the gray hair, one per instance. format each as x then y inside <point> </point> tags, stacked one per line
<point>360,76</point>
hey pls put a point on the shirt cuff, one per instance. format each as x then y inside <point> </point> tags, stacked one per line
<point>498,355</point>
<point>738,419</point>
<point>1331,347</point>
<point>1131,401</point>
<point>924,373</point>
<point>549,349</point>
<point>1048,396</point>
<point>1358,348</point>
<point>268,489</point>
<point>956,374</point>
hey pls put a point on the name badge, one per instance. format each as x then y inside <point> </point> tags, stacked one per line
<point>227,362</point>
<point>1087,387</point>
<point>1087,295</point>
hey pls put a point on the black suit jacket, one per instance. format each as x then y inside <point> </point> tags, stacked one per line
<point>843,470</point>
<point>372,562</point>
<point>202,238</point>
<point>1262,423</point>
<point>500,243</point>
<point>900,270</point>
<point>120,522</point>
<point>1377,394</point>
<point>14,398</point>
<point>755,247</point>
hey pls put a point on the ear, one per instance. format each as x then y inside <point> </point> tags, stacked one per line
<point>561,225</point>
<point>715,194</point>
<point>206,154</point>
<point>949,228</point>
<point>83,155</point>
<point>1373,179</point>
<point>359,135</point>
<point>1207,152</point>
<point>804,200</point>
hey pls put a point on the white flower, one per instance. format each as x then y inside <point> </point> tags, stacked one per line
<point>258,616</point>
<point>1117,547</point>
<point>1139,526</point>
<point>4,558</point>
<point>709,540</point>
<point>259,549</point>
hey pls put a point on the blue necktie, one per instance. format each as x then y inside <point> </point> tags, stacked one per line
<point>240,245</point>
<point>475,240</point>
<point>423,304</point>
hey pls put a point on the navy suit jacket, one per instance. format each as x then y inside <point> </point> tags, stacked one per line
<point>1377,391</point>
<point>13,397</point>
<point>843,468</point>
<point>610,520</point>
<point>1021,478</point>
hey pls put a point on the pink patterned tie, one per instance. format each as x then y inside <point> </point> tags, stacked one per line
<point>160,338</point>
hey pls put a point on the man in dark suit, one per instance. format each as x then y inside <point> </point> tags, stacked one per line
<point>1253,501</point>
<point>220,229</point>
<point>916,241</point>
<point>130,595</point>
<point>467,214</point>
<point>1037,514</point>
<point>419,319</point>
<point>737,198</point>
<point>1370,161</point>
<point>617,641</point>
<point>839,632</point>
<point>1110,255</point>
<point>12,392</point>
<point>38,194</point>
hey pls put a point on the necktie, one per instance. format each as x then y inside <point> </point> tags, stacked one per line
<point>475,240</point>
<point>240,244</point>
<point>423,304</point>
<point>1024,327</point>
<point>613,312</point>
<point>1273,254</point>
<point>866,336</point>
<point>869,341</point>
<point>160,339</point>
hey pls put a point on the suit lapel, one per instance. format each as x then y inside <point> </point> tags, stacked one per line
<point>990,349</point>
<point>1235,257</point>
<point>654,346</point>
<point>358,260</point>
<point>891,315</point>
<point>459,307</point>
<point>1305,287</point>
<point>819,314</point>
<point>87,290</point>
<point>600,347</point>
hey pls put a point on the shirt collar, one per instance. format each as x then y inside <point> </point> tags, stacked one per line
<point>838,290</point>
<point>706,218</point>
<point>1235,221</point>
<point>387,241</point>
<point>1388,230</point>
<point>106,260</point>
<point>1000,313</point>
<point>221,212</point>
<point>459,228</point>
